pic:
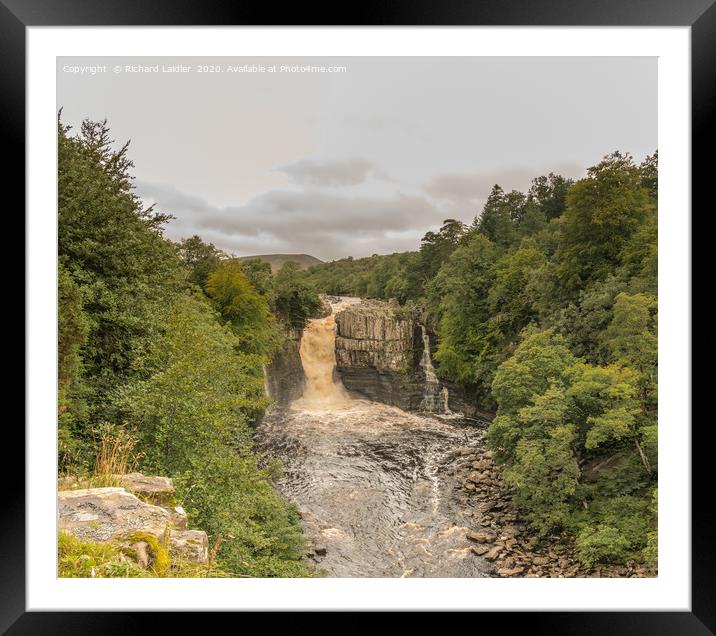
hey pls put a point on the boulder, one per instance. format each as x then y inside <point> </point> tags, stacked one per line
<point>481,536</point>
<point>480,549</point>
<point>189,545</point>
<point>493,553</point>
<point>102,514</point>
<point>152,489</point>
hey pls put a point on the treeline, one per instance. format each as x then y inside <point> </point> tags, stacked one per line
<point>167,342</point>
<point>546,309</point>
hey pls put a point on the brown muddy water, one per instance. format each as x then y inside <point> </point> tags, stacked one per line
<point>371,481</point>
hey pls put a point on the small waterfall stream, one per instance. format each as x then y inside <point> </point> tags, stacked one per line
<point>435,399</point>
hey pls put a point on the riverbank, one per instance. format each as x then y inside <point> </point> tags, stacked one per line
<point>504,541</point>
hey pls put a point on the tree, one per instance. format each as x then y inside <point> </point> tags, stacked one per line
<point>458,298</point>
<point>193,416</point>
<point>603,212</point>
<point>550,194</point>
<point>72,330</point>
<point>201,258</point>
<point>294,299</point>
<point>513,296</point>
<point>242,307</point>
<point>436,247</point>
<point>112,247</point>
<point>498,220</point>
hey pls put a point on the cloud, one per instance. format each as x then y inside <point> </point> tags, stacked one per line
<point>333,172</point>
<point>466,187</point>
<point>328,226</point>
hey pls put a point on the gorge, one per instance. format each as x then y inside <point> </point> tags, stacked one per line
<point>369,477</point>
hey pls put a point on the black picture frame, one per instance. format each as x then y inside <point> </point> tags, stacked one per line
<point>700,15</point>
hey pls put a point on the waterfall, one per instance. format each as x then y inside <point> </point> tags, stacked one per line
<point>430,400</point>
<point>318,357</point>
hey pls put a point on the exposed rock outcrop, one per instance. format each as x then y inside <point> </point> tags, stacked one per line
<point>102,514</point>
<point>377,353</point>
<point>285,379</point>
<point>380,354</point>
<point>113,514</point>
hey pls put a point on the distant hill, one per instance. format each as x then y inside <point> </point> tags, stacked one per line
<point>276,260</point>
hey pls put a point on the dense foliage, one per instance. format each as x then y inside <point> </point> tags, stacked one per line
<point>169,340</point>
<point>546,309</point>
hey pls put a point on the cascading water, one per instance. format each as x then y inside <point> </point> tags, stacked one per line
<point>435,400</point>
<point>318,356</point>
<point>368,478</point>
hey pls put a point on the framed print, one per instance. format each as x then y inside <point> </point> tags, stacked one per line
<point>360,317</point>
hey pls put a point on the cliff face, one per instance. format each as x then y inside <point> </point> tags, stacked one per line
<point>377,354</point>
<point>384,354</point>
<point>285,379</point>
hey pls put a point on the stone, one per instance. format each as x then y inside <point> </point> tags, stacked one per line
<point>178,518</point>
<point>540,560</point>
<point>102,514</point>
<point>481,537</point>
<point>153,489</point>
<point>141,553</point>
<point>510,571</point>
<point>480,549</point>
<point>284,376</point>
<point>478,478</point>
<point>189,545</point>
<point>493,553</point>
<point>320,550</point>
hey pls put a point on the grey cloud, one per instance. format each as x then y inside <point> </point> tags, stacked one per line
<point>334,172</point>
<point>327,226</point>
<point>458,188</point>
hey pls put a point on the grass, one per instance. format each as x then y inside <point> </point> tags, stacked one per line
<point>115,457</point>
<point>89,559</point>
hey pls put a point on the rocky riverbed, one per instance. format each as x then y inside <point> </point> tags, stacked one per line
<point>500,538</point>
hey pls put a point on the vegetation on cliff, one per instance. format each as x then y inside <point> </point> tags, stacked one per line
<point>168,340</point>
<point>546,309</point>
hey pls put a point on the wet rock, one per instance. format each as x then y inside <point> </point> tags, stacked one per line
<point>480,549</point>
<point>285,377</point>
<point>481,536</point>
<point>493,553</point>
<point>505,572</point>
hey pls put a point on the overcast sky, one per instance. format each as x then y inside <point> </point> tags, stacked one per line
<point>361,162</point>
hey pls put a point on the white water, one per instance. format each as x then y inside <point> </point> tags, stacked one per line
<point>434,400</point>
<point>318,357</point>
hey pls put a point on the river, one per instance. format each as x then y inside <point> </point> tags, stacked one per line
<point>372,482</point>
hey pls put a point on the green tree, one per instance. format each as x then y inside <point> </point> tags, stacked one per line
<point>436,247</point>
<point>458,298</point>
<point>242,307</point>
<point>194,416</point>
<point>113,250</point>
<point>200,258</point>
<point>500,215</point>
<point>294,300</point>
<point>603,212</point>
<point>550,194</point>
